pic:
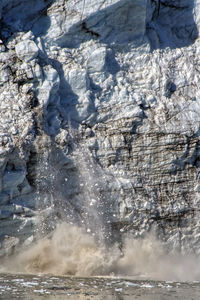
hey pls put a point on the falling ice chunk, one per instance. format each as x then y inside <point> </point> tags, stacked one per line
<point>88,230</point>
<point>93,201</point>
<point>66,179</point>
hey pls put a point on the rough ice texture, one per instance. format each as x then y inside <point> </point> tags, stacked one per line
<point>100,111</point>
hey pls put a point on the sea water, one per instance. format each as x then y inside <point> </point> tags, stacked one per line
<point>37,287</point>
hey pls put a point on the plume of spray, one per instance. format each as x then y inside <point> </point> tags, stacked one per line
<point>72,251</point>
<point>69,251</point>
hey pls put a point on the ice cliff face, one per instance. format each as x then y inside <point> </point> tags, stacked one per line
<point>100,101</point>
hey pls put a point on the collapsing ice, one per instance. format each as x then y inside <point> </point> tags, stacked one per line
<point>84,245</point>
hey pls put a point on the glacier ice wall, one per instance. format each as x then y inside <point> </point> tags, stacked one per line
<point>100,100</point>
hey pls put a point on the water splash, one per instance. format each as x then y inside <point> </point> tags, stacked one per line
<point>72,251</point>
<point>69,251</point>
